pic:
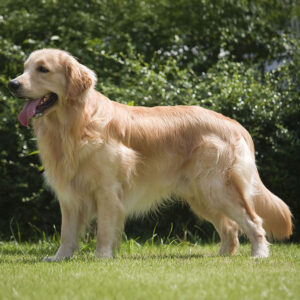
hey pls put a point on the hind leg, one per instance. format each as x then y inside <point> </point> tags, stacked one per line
<point>237,208</point>
<point>234,202</point>
<point>228,232</point>
<point>251,224</point>
<point>226,228</point>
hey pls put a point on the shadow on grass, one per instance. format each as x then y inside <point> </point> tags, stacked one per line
<point>163,256</point>
<point>19,258</point>
<point>21,251</point>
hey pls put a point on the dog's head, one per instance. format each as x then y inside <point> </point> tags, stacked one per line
<point>51,79</point>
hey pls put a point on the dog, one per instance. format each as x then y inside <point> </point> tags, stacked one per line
<point>107,160</point>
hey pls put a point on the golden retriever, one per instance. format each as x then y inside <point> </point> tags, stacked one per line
<point>108,160</point>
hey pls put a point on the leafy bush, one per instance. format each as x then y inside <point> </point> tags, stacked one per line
<point>208,53</point>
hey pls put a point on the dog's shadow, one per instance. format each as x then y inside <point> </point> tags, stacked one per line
<point>20,259</point>
<point>164,256</point>
<point>32,257</point>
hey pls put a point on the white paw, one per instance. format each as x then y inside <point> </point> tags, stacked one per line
<point>49,258</point>
<point>56,258</point>
<point>261,253</point>
<point>104,253</point>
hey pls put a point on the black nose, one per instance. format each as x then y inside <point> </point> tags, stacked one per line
<point>14,85</point>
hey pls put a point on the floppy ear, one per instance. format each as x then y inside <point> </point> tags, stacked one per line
<point>79,80</point>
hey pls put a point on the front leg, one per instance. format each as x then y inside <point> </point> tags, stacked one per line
<point>111,217</point>
<point>69,233</point>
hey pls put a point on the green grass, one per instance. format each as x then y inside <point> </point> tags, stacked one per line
<point>173,271</point>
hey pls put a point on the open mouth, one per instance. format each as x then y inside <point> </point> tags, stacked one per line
<point>36,108</point>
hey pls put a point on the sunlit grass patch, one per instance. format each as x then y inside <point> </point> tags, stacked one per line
<point>148,271</point>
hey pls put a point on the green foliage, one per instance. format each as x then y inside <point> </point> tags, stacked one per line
<point>168,52</point>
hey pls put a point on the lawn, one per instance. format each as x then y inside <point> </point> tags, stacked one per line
<point>149,271</point>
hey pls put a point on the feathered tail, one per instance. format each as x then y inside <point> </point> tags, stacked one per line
<point>276,215</point>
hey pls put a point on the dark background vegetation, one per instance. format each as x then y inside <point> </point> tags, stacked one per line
<point>217,54</point>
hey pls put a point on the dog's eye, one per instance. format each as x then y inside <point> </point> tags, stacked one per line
<point>42,69</point>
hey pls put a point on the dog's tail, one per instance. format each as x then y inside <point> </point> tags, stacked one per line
<point>276,215</point>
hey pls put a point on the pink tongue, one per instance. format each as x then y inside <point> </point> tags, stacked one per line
<point>28,111</point>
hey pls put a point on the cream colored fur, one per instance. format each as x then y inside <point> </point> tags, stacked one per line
<point>108,160</point>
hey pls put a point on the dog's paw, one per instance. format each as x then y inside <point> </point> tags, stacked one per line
<point>52,258</point>
<point>49,258</point>
<point>107,254</point>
